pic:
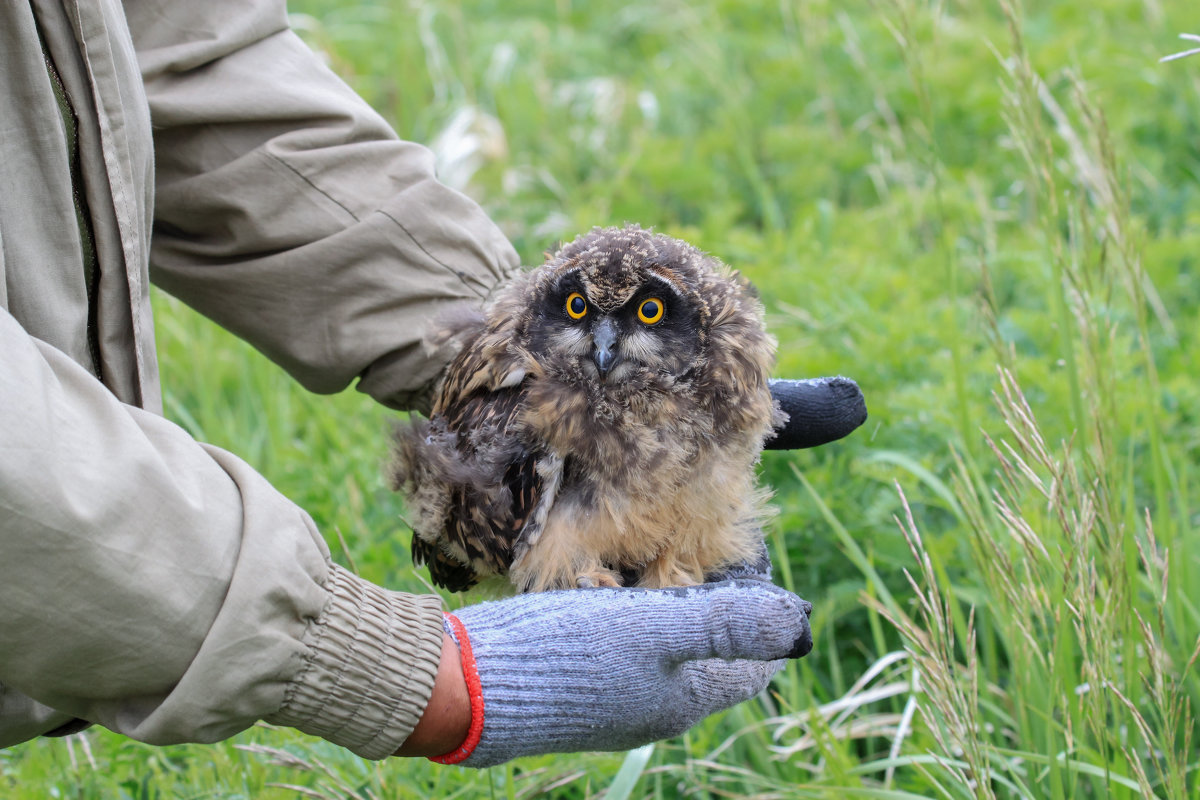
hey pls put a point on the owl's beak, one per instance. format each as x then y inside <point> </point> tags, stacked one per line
<point>604,345</point>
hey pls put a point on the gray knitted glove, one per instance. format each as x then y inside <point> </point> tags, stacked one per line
<point>613,669</point>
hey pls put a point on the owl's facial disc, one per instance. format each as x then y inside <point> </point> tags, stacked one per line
<point>604,331</point>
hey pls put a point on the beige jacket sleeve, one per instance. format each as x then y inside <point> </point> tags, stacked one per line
<point>160,586</point>
<point>163,589</point>
<point>289,212</point>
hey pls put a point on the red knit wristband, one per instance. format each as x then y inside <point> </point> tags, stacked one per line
<point>474,691</point>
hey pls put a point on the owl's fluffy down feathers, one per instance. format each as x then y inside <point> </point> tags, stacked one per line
<point>599,426</point>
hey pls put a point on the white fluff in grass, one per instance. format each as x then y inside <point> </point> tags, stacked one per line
<point>1191,37</point>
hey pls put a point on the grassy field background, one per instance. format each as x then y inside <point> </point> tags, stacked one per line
<point>988,216</point>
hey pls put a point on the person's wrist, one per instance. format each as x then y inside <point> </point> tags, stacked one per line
<point>371,660</point>
<point>446,721</point>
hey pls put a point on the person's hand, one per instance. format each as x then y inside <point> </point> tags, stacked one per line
<point>613,669</point>
<point>819,411</point>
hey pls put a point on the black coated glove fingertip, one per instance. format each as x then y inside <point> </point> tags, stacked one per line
<point>804,644</point>
<point>819,411</point>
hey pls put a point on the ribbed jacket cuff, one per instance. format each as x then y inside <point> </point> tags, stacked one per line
<point>373,656</point>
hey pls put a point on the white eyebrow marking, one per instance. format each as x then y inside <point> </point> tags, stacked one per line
<point>670,284</point>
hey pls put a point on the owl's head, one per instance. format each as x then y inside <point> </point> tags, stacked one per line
<point>629,332</point>
<point>623,303</point>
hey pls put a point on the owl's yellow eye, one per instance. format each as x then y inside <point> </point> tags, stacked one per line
<point>650,311</point>
<point>576,306</point>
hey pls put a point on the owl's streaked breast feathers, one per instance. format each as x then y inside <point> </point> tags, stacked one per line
<point>601,421</point>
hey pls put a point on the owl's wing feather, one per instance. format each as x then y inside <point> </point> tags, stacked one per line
<point>445,570</point>
<point>487,473</point>
<point>487,515</point>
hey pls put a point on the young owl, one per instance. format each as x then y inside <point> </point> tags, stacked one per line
<point>600,425</point>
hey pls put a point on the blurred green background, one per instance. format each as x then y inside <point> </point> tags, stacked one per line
<point>985,214</point>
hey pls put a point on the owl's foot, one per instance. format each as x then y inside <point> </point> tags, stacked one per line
<point>598,577</point>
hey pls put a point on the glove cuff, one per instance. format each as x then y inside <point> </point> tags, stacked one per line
<point>458,632</point>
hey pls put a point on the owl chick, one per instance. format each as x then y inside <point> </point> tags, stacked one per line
<point>600,425</point>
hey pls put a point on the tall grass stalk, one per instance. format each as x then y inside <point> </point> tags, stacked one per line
<point>1104,695</point>
<point>1065,606</point>
<point>1092,685</point>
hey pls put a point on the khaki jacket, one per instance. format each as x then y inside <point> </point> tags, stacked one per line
<point>150,583</point>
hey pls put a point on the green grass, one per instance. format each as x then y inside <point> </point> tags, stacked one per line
<point>988,216</point>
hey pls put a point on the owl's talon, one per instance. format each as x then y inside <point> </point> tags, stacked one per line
<point>598,578</point>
